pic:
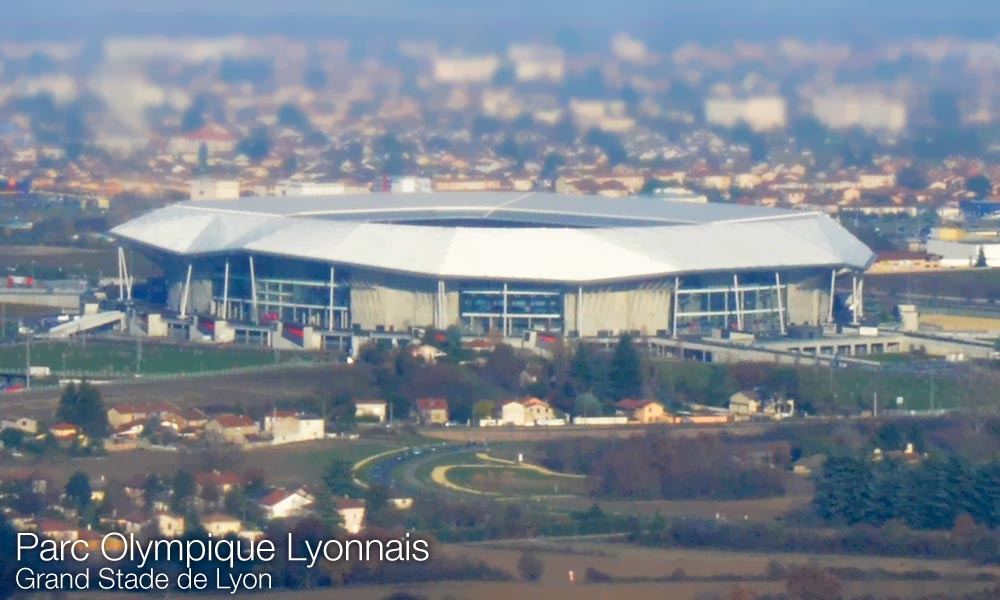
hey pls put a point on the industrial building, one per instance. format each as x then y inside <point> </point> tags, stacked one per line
<point>498,263</point>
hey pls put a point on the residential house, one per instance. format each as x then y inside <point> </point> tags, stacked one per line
<point>744,403</point>
<point>370,410</point>
<point>905,261</point>
<point>64,431</point>
<point>232,428</point>
<point>352,513</point>
<point>432,411</point>
<point>526,411</point>
<point>282,503</point>
<point>168,525</point>
<point>130,412</point>
<point>643,411</point>
<point>220,525</point>
<point>287,427</point>
<point>58,530</point>
<point>425,352</point>
<point>223,481</point>
<point>25,424</point>
<point>215,138</point>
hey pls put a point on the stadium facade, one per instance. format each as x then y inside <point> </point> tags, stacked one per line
<point>499,262</point>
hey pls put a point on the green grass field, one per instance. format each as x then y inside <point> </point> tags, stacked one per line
<point>114,358</point>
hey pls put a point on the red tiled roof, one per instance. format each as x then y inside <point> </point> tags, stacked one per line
<point>275,497</point>
<point>432,404</point>
<point>218,478</point>
<point>145,408</point>
<point>633,404</point>
<point>55,526</point>
<point>210,133</point>
<point>343,502</point>
<point>233,421</point>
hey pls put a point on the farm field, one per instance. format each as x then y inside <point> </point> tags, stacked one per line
<point>622,560</point>
<point>252,389</point>
<point>128,358</point>
<point>289,464</point>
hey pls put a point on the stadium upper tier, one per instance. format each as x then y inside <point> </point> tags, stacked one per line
<point>511,236</point>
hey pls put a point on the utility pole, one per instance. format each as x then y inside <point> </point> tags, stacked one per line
<point>27,364</point>
<point>932,391</point>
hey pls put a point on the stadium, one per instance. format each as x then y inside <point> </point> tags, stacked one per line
<point>499,263</point>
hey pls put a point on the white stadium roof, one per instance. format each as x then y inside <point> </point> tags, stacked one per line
<point>558,238</point>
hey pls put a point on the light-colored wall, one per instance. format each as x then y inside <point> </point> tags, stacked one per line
<point>622,307</point>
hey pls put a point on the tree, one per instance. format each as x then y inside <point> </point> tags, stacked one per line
<point>192,119</point>
<point>327,512</point>
<point>339,478</point>
<point>203,158</point>
<point>626,370</point>
<point>256,146</point>
<point>911,178</point>
<point>11,438</point>
<point>78,489</point>
<point>979,185</point>
<point>981,259</point>
<point>530,567</point>
<point>290,115</point>
<point>8,559</point>
<point>587,405</point>
<point>183,487</point>
<point>82,406</point>
<point>482,410</point>
<point>504,367</point>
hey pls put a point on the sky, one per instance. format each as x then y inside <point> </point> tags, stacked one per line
<point>685,19</point>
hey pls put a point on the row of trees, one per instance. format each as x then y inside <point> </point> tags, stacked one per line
<point>656,466</point>
<point>931,495</point>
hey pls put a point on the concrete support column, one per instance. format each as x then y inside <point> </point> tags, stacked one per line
<point>579,311</point>
<point>505,325</point>
<point>253,292</point>
<point>781,302</point>
<point>186,292</point>
<point>833,292</point>
<point>675,305</point>
<point>739,301</point>
<point>224,313</point>
<point>329,315</point>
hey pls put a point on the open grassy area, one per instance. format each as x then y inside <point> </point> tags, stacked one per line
<point>514,481</point>
<point>290,464</point>
<point>126,358</point>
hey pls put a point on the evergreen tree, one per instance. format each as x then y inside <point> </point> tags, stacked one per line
<point>82,405</point>
<point>8,559</point>
<point>626,370</point>
<point>203,158</point>
<point>327,513</point>
<point>183,487</point>
<point>78,489</point>
<point>339,478</point>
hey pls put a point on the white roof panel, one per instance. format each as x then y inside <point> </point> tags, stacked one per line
<point>698,237</point>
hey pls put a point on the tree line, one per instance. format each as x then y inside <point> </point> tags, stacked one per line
<point>929,495</point>
<point>660,467</point>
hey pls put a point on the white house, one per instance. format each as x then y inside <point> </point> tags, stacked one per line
<point>526,411</point>
<point>352,513</point>
<point>287,427</point>
<point>281,503</point>
<point>370,409</point>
